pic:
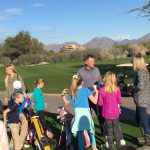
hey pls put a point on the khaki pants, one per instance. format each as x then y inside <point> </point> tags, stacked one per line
<point>24,128</point>
<point>15,140</point>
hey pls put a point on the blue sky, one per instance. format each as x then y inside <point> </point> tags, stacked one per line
<point>58,21</point>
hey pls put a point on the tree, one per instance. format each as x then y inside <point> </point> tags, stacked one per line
<point>145,44</point>
<point>137,48</point>
<point>10,48</point>
<point>36,47</point>
<point>143,10</point>
<point>21,44</point>
<point>118,50</point>
<point>1,49</point>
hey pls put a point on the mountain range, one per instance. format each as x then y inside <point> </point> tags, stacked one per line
<point>99,42</point>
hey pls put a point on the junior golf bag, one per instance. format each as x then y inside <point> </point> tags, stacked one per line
<point>66,118</point>
<point>36,134</point>
<point>126,91</point>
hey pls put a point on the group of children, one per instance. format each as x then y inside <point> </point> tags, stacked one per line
<point>14,113</point>
<point>108,96</point>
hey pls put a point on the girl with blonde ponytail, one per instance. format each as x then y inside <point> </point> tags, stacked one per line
<point>110,99</point>
<point>82,121</point>
<point>76,82</point>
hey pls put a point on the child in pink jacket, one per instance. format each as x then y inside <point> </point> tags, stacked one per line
<point>109,98</point>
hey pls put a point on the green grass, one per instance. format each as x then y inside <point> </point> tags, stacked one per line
<point>58,76</point>
<point>129,128</point>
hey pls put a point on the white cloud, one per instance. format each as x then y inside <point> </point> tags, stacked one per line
<point>13,11</point>
<point>2,18</point>
<point>37,5</point>
<point>122,37</point>
<point>42,28</point>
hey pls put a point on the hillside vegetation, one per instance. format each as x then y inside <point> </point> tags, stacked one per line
<point>23,49</point>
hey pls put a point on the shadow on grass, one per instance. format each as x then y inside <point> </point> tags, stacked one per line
<point>59,134</point>
<point>129,128</point>
<point>127,121</point>
<point>55,126</point>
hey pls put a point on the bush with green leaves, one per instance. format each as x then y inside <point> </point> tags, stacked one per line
<point>29,59</point>
<point>95,52</point>
<point>57,57</point>
<point>76,55</point>
<point>4,60</point>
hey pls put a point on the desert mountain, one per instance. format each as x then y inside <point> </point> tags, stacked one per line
<point>97,42</point>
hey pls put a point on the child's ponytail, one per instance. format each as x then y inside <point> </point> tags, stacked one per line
<point>76,82</point>
<point>38,81</point>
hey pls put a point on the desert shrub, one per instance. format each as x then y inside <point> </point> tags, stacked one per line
<point>95,52</point>
<point>65,57</point>
<point>57,57</point>
<point>76,55</point>
<point>4,60</point>
<point>137,48</point>
<point>28,59</point>
<point>44,58</point>
<point>106,55</point>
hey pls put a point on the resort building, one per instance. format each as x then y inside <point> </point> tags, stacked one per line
<point>72,47</point>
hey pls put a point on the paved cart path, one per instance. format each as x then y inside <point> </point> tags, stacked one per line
<point>55,100</point>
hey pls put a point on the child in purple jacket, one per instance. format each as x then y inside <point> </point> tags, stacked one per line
<point>109,99</point>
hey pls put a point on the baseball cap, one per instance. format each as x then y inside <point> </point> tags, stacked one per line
<point>17,84</point>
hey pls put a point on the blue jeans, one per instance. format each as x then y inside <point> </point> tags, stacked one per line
<point>142,119</point>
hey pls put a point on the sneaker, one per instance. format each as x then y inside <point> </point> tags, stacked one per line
<point>105,145</point>
<point>49,134</point>
<point>122,142</point>
<point>141,139</point>
<point>26,146</point>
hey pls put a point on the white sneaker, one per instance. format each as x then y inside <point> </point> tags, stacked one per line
<point>25,146</point>
<point>122,142</point>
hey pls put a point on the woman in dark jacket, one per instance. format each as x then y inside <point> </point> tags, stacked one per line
<point>142,95</point>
